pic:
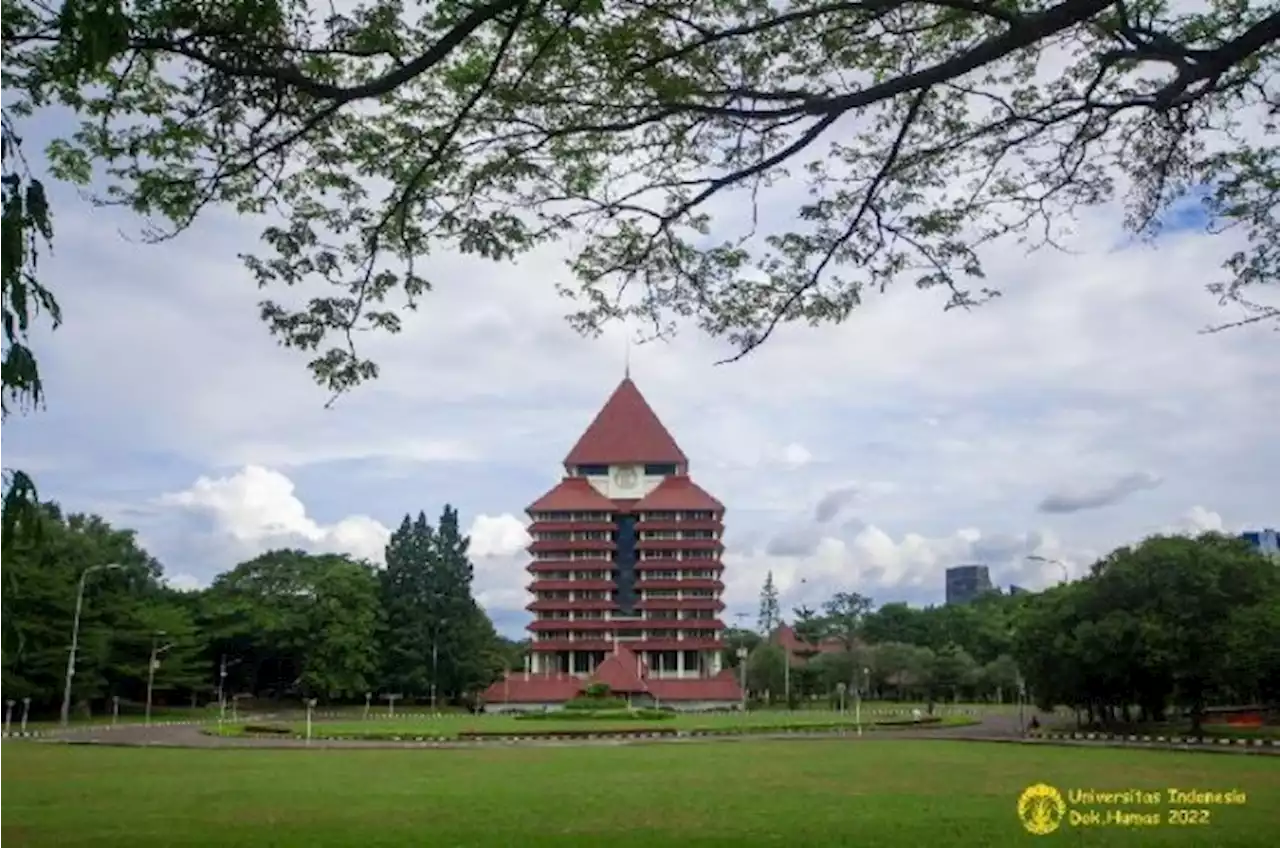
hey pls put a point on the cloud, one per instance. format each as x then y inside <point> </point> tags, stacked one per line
<point>832,502</point>
<point>796,455</point>
<point>954,425</point>
<point>1099,496</point>
<point>794,541</point>
<point>256,509</point>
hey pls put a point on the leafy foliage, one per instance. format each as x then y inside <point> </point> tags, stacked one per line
<point>858,143</point>
<point>1173,621</point>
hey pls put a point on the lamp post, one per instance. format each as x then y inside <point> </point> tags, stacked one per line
<point>742,669</point>
<point>156,650</point>
<point>115,709</point>
<point>1066,577</point>
<point>311,705</point>
<point>65,717</point>
<point>26,711</point>
<point>435,659</point>
<point>1022,700</point>
<point>223,665</point>
<point>368,701</point>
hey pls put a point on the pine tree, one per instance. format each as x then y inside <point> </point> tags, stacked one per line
<point>770,610</point>
<point>405,593</point>
<point>437,637</point>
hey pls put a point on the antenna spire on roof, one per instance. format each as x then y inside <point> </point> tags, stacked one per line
<point>626,362</point>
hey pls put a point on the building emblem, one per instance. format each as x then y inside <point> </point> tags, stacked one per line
<point>626,478</point>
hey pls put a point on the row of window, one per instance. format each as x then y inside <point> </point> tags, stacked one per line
<point>652,469</point>
<point>622,636</point>
<point>686,515</point>
<point>645,615</point>
<point>606,536</point>
<point>687,574</point>
<point>646,595</point>
<point>605,556</point>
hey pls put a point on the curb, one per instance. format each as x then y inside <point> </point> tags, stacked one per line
<point>1194,741</point>
<point>60,731</point>
<point>851,730</point>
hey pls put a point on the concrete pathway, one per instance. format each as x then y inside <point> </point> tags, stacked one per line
<point>994,727</point>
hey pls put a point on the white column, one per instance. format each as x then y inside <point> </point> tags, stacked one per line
<point>680,663</point>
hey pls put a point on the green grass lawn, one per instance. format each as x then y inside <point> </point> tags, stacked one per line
<point>450,725</point>
<point>803,793</point>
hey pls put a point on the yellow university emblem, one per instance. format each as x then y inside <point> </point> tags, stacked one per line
<point>1041,808</point>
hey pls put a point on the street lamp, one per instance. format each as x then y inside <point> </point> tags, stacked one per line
<point>1022,699</point>
<point>156,651</point>
<point>1066,577</point>
<point>222,684</point>
<point>435,659</point>
<point>742,668</point>
<point>75,639</point>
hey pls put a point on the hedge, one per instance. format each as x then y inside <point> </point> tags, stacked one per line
<point>623,714</point>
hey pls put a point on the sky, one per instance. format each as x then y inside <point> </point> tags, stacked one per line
<point>1083,410</point>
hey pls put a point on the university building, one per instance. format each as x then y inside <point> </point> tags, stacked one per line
<point>626,573</point>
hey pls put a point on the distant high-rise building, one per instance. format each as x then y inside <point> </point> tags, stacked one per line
<point>1017,590</point>
<point>966,582</point>
<point>1265,541</point>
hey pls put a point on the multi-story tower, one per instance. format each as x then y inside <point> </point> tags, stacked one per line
<point>626,554</point>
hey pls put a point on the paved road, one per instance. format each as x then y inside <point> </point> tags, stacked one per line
<point>996,727</point>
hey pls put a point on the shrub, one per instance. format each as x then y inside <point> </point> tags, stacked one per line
<point>270,729</point>
<point>598,690</point>
<point>908,722</point>
<point>615,714</point>
<point>587,703</point>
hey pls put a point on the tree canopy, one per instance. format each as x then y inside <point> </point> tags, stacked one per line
<point>287,624</point>
<point>869,141</point>
<point>734,164</point>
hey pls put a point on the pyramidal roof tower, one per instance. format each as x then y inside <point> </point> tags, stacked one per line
<point>626,561</point>
<point>626,430</point>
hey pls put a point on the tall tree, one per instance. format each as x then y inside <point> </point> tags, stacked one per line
<point>770,610</point>
<point>411,608</point>
<point>845,612</point>
<point>43,570</point>
<point>437,638</point>
<point>296,624</point>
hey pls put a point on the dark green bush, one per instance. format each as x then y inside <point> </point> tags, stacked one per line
<point>614,714</point>
<point>587,703</point>
<point>271,729</point>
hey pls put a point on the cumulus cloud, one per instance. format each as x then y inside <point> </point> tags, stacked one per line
<point>257,508</point>
<point>1099,495</point>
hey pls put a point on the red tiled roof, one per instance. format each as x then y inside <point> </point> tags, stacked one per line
<point>572,494</point>
<point>519,688</point>
<point>551,689</point>
<point>786,636</point>
<point>626,430</point>
<point>675,493</point>
<point>622,671</point>
<point>723,687</point>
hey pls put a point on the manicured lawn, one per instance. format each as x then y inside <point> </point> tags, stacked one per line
<point>450,725</point>
<point>869,793</point>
